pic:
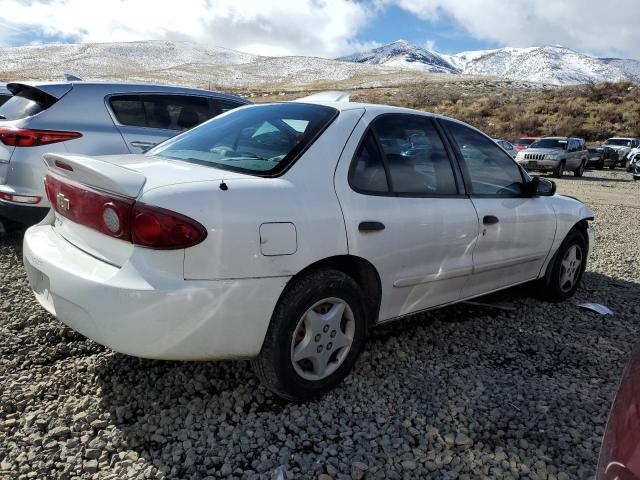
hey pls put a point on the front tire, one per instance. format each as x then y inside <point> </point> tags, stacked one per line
<point>600,165</point>
<point>565,271</point>
<point>317,331</point>
<point>559,170</point>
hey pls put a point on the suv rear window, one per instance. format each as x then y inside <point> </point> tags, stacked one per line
<point>25,103</point>
<point>166,112</point>
<point>260,139</point>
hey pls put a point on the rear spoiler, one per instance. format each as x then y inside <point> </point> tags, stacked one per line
<point>45,94</point>
<point>97,173</point>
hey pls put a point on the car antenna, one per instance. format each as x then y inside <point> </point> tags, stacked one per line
<point>223,186</point>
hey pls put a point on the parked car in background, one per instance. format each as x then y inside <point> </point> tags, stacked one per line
<point>555,154</point>
<point>620,455</point>
<point>622,146</point>
<point>87,118</point>
<point>509,148</point>
<point>631,156</point>
<point>4,94</point>
<point>524,142</point>
<point>634,166</point>
<point>283,232</point>
<point>600,157</point>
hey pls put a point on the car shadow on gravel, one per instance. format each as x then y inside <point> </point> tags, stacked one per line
<point>531,379</point>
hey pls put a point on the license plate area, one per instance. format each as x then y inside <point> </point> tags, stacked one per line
<point>39,283</point>
<point>532,163</point>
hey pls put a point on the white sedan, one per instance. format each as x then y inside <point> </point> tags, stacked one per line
<point>284,232</point>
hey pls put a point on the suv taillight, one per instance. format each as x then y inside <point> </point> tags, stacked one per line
<point>123,218</point>
<point>23,137</point>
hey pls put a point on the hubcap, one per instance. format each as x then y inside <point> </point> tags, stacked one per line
<point>322,339</point>
<point>570,268</point>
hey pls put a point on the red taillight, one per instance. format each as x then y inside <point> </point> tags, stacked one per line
<point>155,227</point>
<point>23,137</point>
<point>89,207</point>
<point>123,218</point>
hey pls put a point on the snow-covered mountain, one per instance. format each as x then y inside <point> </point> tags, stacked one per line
<point>91,59</point>
<point>402,54</point>
<point>548,64</point>
<point>399,62</point>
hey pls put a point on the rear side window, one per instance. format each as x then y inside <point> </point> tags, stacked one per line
<point>226,105</point>
<point>260,139</point>
<point>26,103</point>
<point>165,112</point>
<point>410,148</point>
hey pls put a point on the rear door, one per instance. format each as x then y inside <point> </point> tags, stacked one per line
<point>144,120</point>
<point>405,211</point>
<point>516,230</point>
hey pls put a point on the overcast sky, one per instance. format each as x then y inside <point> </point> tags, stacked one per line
<point>330,28</point>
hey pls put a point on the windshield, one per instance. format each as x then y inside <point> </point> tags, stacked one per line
<point>260,139</point>
<point>524,141</point>
<point>618,142</point>
<point>550,143</point>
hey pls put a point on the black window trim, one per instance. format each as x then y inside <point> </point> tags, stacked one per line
<point>209,98</point>
<point>457,176</point>
<point>442,121</point>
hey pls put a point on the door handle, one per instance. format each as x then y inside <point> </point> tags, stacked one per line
<point>371,226</point>
<point>490,220</point>
<point>143,145</point>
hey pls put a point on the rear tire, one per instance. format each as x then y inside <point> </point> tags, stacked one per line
<point>9,226</point>
<point>559,170</point>
<point>600,165</point>
<point>578,172</point>
<point>316,334</point>
<point>565,271</point>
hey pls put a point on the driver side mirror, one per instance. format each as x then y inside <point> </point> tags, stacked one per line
<point>541,187</point>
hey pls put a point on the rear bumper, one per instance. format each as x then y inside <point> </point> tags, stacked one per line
<point>22,213</point>
<point>133,311</point>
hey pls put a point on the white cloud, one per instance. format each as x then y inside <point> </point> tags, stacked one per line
<point>291,27</point>
<point>608,27</point>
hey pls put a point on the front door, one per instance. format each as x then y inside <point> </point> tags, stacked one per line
<point>405,211</point>
<point>516,230</point>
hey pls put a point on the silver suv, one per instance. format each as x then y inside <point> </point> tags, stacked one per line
<point>90,119</point>
<point>555,154</point>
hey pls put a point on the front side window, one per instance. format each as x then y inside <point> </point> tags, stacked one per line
<point>260,139</point>
<point>490,170</point>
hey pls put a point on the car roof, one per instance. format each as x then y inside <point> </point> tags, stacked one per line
<point>124,87</point>
<point>621,138</point>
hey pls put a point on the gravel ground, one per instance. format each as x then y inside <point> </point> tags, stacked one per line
<point>464,392</point>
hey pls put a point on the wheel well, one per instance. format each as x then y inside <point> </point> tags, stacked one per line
<point>582,227</point>
<point>362,272</point>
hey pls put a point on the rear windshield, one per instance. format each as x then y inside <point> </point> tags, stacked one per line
<point>260,139</point>
<point>550,143</point>
<point>524,141</point>
<point>26,103</point>
<point>619,142</point>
